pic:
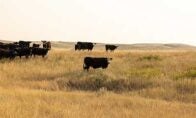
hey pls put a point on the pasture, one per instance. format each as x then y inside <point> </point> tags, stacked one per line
<point>137,83</point>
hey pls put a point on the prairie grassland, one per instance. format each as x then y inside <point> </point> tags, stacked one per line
<point>136,84</point>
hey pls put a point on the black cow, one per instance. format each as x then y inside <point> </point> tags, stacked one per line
<point>36,45</point>
<point>24,52</point>
<point>96,62</point>
<point>7,53</point>
<point>4,46</point>
<point>39,51</point>
<point>7,46</point>
<point>110,47</point>
<point>84,46</point>
<point>24,44</point>
<point>46,44</point>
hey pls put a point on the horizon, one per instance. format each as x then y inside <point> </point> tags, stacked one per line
<point>58,41</point>
<point>111,21</point>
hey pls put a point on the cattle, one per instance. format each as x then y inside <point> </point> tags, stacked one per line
<point>84,46</point>
<point>6,53</point>
<point>96,62</point>
<point>110,47</point>
<point>36,45</point>
<point>24,52</point>
<point>24,44</point>
<point>4,46</point>
<point>46,44</point>
<point>39,51</point>
<point>10,46</point>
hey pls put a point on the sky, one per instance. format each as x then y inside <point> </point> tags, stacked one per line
<point>106,21</point>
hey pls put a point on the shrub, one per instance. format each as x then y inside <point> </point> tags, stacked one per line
<point>150,58</point>
<point>117,85</point>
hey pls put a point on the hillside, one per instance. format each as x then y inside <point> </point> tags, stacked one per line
<point>101,46</point>
<point>136,84</point>
<point>139,46</point>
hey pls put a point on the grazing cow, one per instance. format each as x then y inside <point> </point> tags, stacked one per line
<point>36,45</point>
<point>10,46</point>
<point>7,53</point>
<point>40,51</point>
<point>95,62</point>
<point>4,46</point>
<point>24,44</point>
<point>46,44</point>
<point>110,47</point>
<point>24,52</point>
<point>84,46</point>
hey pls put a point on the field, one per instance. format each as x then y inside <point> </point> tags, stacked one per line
<point>137,83</point>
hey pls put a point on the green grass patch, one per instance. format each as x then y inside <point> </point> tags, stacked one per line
<point>150,58</point>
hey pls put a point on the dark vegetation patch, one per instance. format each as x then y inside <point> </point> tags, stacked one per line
<point>150,58</point>
<point>93,82</point>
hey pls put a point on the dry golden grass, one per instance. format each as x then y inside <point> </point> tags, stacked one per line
<point>23,103</point>
<point>136,84</point>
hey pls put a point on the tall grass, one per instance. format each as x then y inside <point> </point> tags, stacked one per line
<point>144,75</point>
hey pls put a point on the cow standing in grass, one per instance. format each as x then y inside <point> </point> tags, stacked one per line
<point>84,46</point>
<point>24,52</point>
<point>24,44</point>
<point>46,44</point>
<point>36,45</point>
<point>7,53</point>
<point>110,47</point>
<point>96,62</point>
<point>39,52</point>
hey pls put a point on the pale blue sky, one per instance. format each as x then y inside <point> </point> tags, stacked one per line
<point>108,21</point>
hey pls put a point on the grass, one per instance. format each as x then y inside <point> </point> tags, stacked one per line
<point>22,103</point>
<point>136,84</point>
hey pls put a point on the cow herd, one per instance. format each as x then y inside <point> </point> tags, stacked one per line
<point>29,49</point>
<point>94,62</point>
<point>89,46</point>
<point>23,48</point>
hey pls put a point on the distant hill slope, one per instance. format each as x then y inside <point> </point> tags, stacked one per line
<point>139,46</point>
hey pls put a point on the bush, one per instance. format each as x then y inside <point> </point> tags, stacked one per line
<point>150,58</point>
<point>118,85</point>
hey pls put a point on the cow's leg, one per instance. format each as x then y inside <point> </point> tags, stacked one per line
<point>12,57</point>
<point>85,67</point>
